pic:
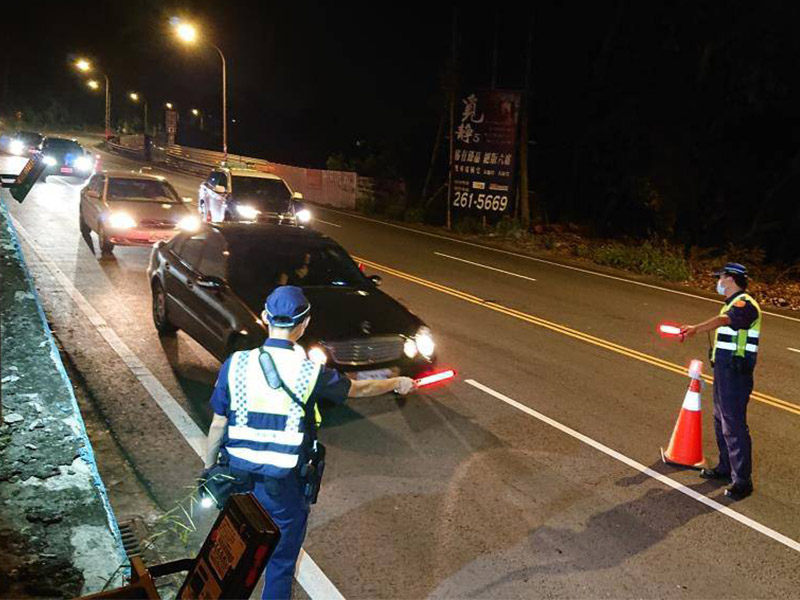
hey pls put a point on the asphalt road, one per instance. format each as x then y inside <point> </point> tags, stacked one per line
<point>457,492</point>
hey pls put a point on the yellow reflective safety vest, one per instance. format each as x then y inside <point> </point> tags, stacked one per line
<point>741,343</point>
<point>266,428</point>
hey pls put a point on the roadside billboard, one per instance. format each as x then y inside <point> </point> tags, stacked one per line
<point>483,163</point>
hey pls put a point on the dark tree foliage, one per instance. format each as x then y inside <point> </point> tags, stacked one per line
<point>683,123</point>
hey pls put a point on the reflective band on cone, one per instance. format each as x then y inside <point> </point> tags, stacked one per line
<point>686,444</point>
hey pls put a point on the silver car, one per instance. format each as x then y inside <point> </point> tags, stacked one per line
<point>126,208</point>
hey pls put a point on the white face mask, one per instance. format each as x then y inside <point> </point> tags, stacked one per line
<point>721,289</point>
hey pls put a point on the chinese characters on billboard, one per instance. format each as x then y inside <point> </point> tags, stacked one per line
<point>483,161</point>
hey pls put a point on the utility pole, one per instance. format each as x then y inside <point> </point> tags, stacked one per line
<point>525,208</point>
<point>453,80</point>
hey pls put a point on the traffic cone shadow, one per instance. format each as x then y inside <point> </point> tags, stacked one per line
<point>686,444</point>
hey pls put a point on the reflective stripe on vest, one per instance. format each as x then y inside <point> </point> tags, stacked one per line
<point>742,342</point>
<point>266,428</point>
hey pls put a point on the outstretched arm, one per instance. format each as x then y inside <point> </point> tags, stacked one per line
<point>709,325</point>
<point>376,387</point>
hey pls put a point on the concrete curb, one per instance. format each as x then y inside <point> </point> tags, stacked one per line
<point>72,486</point>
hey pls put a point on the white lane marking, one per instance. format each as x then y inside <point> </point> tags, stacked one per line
<point>328,223</point>
<point>182,421</point>
<point>469,262</point>
<point>793,350</point>
<point>550,262</point>
<point>713,504</point>
<point>313,580</point>
<point>308,573</point>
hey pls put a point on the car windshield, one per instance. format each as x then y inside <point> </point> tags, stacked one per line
<point>257,266</point>
<point>145,190</point>
<point>263,194</point>
<point>59,145</point>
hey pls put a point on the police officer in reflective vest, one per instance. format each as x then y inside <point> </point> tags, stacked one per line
<point>262,429</point>
<point>733,355</point>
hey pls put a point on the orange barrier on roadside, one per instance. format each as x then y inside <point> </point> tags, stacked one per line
<point>686,444</point>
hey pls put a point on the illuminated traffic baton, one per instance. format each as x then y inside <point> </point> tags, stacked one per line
<point>434,378</point>
<point>671,331</point>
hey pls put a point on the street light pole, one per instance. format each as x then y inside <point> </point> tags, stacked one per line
<point>108,107</point>
<point>224,104</point>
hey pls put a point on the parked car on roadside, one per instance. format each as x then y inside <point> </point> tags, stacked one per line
<point>126,208</point>
<point>213,283</point>
<point>248,195</point>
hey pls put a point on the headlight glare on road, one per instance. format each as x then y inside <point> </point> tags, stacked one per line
<point>190,223</point>
<point>410,348</point>
<point>16,147</point>
<point>318,355</point>
<point>248,212</point>
<point>304,216</point>
<point>425,343</point>
<point>121,221</point>
<point>83,163</point>
<point>50,161</point>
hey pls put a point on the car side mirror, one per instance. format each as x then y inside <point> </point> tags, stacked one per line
<point>375,279</point>
<point>92,194</point>
<point>210,282</point>
<point>187,200</point>
<point>220,189</point>
<point>297,195</point>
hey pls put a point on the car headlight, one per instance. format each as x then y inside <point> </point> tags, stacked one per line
<point>304,215</point>
<point>16,147</point>
<point>318,355</point>
<point>190,223</point>
<point>121,221</point>
<point>248,212</point>
<point>425,343</point>
<point>410,348</point>
<point>83,163</point>
<point>50,161</point>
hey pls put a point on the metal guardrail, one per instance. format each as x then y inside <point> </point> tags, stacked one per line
<point>127,150</point>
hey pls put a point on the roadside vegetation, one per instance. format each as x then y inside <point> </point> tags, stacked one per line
<point>653,257</point>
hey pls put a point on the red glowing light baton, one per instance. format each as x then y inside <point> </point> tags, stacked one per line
<point>435,378</point>
<point>669,329</point>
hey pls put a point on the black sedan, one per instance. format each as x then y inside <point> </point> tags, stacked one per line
<point>63,156</point>
<point>213,283</point>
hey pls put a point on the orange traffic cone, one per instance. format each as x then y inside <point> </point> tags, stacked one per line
<point>686,444</point>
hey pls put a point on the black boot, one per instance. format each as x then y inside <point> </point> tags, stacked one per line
<point>739,490</point>
<point>716,474</point>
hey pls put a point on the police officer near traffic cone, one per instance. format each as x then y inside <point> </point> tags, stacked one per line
<point>733,355</point>
<point>265,416</point>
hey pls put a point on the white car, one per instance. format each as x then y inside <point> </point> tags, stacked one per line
<point>230,194</point>
<point>126,208</point>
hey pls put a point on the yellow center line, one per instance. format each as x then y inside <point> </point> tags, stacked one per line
<point>568,331</point>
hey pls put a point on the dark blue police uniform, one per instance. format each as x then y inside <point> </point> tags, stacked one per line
<point>283,498</point>
<point>734,356</point>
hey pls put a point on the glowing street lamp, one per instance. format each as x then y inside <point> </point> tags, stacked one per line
<point>195,112</point>
<point>168,105</point>
<point>85,66</point>
<point>188,34</point>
